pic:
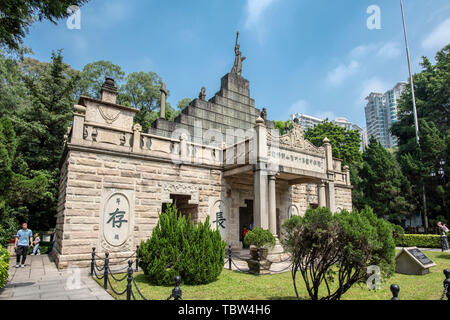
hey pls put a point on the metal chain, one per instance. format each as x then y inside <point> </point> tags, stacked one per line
<point>139,291</point>
<point>239,269</point>
<point>112,289</point>
<point>95,273</point>
<point>282,261</point>
<point>98,268</point>
<point>118,280</point>
<point>119,270</point>
<point>279,271</point>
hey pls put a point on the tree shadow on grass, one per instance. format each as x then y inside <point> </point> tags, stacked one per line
<point>444,256</point>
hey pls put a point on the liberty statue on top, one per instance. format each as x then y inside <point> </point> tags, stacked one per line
<point>237,68</point>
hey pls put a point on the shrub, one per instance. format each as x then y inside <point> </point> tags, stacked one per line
<point>420,240</point>
<point>178,248</point>
<point>397,232</point>
<point>4,266</point>
<point>326,246</point>
<point>260,238</point>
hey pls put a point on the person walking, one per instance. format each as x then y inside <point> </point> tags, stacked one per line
<point>36,241</point>
<point>24,239</point>
<point>443,230</point>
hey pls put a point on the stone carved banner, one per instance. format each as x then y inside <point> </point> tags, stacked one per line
<point>179,189</point>
<point>293,140</point>
<point>117,220</point>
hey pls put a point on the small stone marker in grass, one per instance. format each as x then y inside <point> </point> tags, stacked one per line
<point>412,261</point>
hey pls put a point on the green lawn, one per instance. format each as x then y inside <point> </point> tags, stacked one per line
<point>238,286</point>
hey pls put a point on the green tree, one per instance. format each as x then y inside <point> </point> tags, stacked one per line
<point>345,143</point>
<point>183,103</point>
<point>93,76</point>
<point>15,188</point>
<point>419,163</point>
<point>41,126</point>
<point>383,184</point>
<point>336,250</point>
<point>142,91</point>
<point>17,16</point>
<point>283,126</point>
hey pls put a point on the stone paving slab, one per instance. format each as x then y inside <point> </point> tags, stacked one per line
<point>41,280</point>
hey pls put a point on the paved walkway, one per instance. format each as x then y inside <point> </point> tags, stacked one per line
<point>41,280</point>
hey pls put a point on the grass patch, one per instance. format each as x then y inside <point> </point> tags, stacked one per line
<point>239,286</point>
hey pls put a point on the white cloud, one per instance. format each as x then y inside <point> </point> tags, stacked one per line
<point>386,50</point>
<point>342,72</point>
<point>439,37</point>
<point>304,107</point>
<point>255,9</point>
<point>109,14</point>
<point>389,50</point>
<point>300,106</point>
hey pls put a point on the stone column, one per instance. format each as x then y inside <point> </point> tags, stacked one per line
<point>183,148</point>
<point>137,129</point>
<point>328,154</point>
<point>331,199</point>
<point>79,114</point>
<point>272,205</point>
<point>347,175</point>
<point>259,159</point>
<point>260,210</point>
<point>322,194</point>
<point>163,101</point>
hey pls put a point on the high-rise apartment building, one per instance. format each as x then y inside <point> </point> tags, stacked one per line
<point>381,112</point>
<point>306,121</point>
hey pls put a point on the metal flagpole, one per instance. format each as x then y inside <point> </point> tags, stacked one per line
<point>416,120</point>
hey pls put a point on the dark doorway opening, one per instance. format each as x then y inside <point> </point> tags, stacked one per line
<point>183,206</point>
<point>246,217</point>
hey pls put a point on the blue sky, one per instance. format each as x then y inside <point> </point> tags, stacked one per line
<point>312,56</point>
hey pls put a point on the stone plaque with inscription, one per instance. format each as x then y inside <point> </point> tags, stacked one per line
<point>116,220</point>
<point>413,261</point>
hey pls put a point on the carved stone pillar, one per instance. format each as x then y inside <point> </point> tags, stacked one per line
<point>137,129</point>
<point>322,194</point>
<point>272,205</point>
<point>259,158</point>
<point>163,101</point>
<point>260,210</point>
<point>331,197</point>
<point>79,114</point>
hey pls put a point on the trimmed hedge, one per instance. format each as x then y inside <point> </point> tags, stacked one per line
<point>420,240</point>
<point>4,266</point>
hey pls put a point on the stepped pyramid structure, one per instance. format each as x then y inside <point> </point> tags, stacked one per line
<point>231,108</point>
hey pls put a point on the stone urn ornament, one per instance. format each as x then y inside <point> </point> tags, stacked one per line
<point>263,240</point>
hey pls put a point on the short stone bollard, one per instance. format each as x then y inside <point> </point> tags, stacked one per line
<point>176,292</point>
<point>395,289</point>
<point>446,285</point>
